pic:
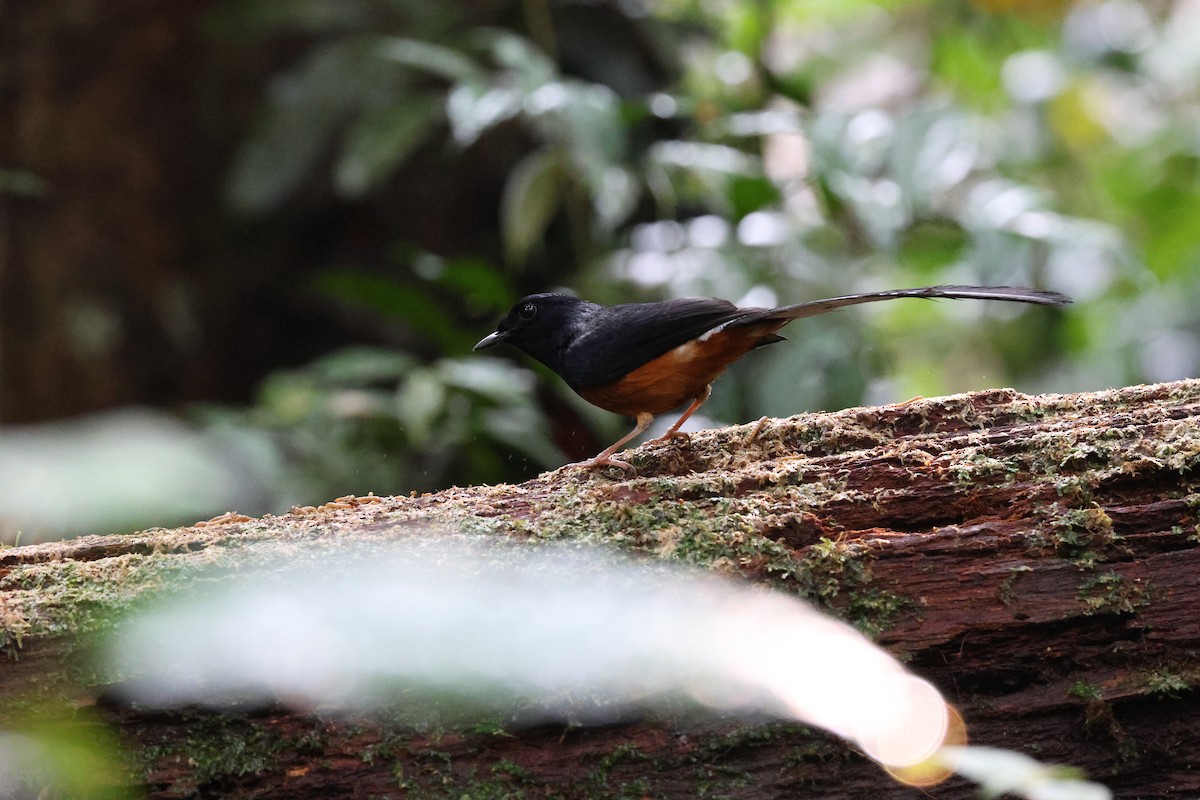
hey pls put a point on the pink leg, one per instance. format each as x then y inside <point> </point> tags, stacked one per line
<point>643,422</point>
<point>673,431</point>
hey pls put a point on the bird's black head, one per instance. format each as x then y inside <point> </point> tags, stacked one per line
<point>542,325</point>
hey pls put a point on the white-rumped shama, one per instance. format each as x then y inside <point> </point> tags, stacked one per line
<point>642,359</point>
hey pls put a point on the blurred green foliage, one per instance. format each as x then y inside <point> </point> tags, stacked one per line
<point>363,419</point>
<point>56,754</point>
<point>760,151</point>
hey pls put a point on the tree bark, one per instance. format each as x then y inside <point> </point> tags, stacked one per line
<point>1035,557</point>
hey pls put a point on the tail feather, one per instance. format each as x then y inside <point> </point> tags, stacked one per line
<point>1014,294</point>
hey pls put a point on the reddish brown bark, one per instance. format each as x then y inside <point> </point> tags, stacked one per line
<point>1037,558</point>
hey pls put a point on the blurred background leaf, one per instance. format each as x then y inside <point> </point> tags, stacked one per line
<point>59,754</point>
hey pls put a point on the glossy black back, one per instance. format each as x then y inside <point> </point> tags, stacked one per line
<point>591,345</point>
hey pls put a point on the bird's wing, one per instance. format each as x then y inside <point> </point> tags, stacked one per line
<point>619,339</point>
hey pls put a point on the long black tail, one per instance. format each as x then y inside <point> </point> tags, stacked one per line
<point>1013,294</point>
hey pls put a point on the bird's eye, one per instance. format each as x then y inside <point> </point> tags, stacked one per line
<point>527,312</point>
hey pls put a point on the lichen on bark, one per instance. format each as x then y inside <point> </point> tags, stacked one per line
<point>1011,548</point>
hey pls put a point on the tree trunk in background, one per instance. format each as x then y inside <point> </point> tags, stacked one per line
<point>1034,557</point>
<point>124,278</point>
<point>101,281</point>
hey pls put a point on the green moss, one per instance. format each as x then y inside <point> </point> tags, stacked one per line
<point>1008,586</point>
<point>1076,489</point>
<point>80,598</point>
<point>720,509</point>
<point>837,575</point>
<point>14,627</point>
<point>1085,691</point>
<point>475,789</point>
<point>719,534</point>
<point>1083,535</point>
<point>377,752</point>
<point>1099,722</point>
<point>1167,683</point>
<point>714,778</point>
<point>829,567</point>
<point>874,611</point>
<point>217,749</point>
<point>1181,453</point>
<point>491,725</point>
<point>1127,748</point>
<point>511,771</point>
<point>623,753</point>
<point>636,789</point>
<point>977,467</point>
<point>1111,593</point>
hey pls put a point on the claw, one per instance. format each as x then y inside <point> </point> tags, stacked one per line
<point>669,436</point>
<point>606,461</point>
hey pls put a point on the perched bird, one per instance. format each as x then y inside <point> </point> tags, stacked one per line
<point>642,359</point>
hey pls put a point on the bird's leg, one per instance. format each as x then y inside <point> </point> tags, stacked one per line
<point>643,422</point>
<point>673,431</point>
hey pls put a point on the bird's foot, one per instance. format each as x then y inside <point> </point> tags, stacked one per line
<point>671,436</point>
<point>605,461</point>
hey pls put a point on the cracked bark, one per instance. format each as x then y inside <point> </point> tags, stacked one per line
<point>1036,558</point>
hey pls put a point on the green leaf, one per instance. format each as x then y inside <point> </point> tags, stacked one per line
<point>280,153</point>
<point>419,403</point>
<point>364,79</point>
<point>523,429</point>
<point>585,123</point>
<point>967,66</point>
<point>718,176</point>
<point>473,107</point>
<point>380,142</point>
<point>22,183</point>
<point>746,28</point>
<point>702,157</point>
<point>429,57</point>
<point>531,196</point>
<point>614,196</point>
<point>289,397</point>
<point>492,378</point>
<point>481,284</point>
<point>585,118</point>
<point>751,193</point>
<point>361,366</point>
<point>838,11</point>
<point>516,53</point>
<point>305,109</point>
<point>415,308</point>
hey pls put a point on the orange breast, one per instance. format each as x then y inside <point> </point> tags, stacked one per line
<point>677,376</point>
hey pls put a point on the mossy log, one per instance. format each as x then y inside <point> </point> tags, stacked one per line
<point>1035,557</point>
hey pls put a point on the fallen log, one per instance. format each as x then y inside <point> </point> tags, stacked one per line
<point>1036,557</point>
